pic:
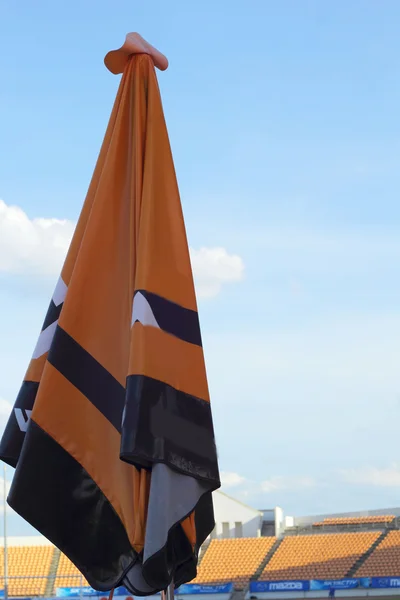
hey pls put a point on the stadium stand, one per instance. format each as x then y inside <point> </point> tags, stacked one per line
<point>67,574</point>
<point>385,560</point>
<point>233,560</point>
<point>24,565</point>
<point>36,569</point>
<point>317,556</point>
<point>385,519</point>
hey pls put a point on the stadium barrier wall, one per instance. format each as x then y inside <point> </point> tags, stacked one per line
<point>121,592</point>
<point>82,592</point>
<point>255,587</point>
<point>325,584</point>
<point>372,587</point>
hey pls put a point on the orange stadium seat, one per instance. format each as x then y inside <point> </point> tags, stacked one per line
<point>28,569</point>
<point>233,560</point>
<point>385,559</point>
<point>68,575</point>
<point>356,520</point>
<point>317,556</point>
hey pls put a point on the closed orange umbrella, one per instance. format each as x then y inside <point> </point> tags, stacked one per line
<point>111,434</point>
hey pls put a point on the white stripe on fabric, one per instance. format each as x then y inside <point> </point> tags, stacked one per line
<point>46,336</point>
<point>60,292</point>
<point>141,311</point>
<point>45,340</point>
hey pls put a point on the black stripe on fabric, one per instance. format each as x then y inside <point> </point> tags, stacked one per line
<point>55,494</point>
<point>14,433</point>
<point>88,376</point>
<point>181,322</point>
<point>27,395</point>
<point>162,424</point>
<point>204,519</point>
<point>52,314</point>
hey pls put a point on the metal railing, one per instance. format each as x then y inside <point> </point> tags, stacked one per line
<point>52,582</point>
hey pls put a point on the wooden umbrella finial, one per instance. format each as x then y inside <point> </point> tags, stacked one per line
<point>116,60</point>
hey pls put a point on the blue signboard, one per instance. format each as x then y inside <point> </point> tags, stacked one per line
<point>385,582</point>
<point>279,586</point>
<point>339,584</point>
<point>77,592</point>
<point>195,588</point>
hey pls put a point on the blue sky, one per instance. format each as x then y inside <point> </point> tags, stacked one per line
<point>283,119</point>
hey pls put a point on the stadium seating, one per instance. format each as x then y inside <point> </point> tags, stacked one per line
<point>233,560</point>
<point>314,556</point>
<point>27,563</point>
<point>356,520</point>
<point>68,575</point>
<point>385,559</point>
<point>317,556</point>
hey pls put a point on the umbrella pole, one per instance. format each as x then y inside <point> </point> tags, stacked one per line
<point>169,593</point>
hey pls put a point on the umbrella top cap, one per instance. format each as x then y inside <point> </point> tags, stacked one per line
<point>116,60</point>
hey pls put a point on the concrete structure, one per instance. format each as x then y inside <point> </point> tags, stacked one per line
<point>234,518</point>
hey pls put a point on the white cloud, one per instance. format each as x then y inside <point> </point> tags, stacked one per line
<point>32,245</point>
<point>213,267</point>
<point>287,483</point>
<point>386,477</point>
<point>230,479</point>
<point>38,246</point>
